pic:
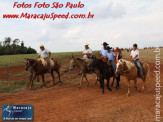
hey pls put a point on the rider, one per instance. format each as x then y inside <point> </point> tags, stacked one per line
<point>87,53</point>
<point>118,54</point>
<point>104,51</point>
<point>135,58</point>
<point>45,54</point>
<point>111,57</point>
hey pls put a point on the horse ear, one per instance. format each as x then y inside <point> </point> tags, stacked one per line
<point>124,62</point>
<point>72,56</point>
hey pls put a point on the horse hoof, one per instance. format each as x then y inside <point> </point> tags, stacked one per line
<point>102,92</point>
<point>128,95</point>
<point>79,88</point>
<point>109,89</point>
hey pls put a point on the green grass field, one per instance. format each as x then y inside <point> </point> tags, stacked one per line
<point>16,60</point>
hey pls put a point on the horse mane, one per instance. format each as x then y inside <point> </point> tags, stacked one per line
<point>80,59</point>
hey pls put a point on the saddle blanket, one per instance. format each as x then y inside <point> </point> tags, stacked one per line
<point>44,62</point>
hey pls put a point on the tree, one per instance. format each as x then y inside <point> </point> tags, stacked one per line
<point>9,46</point>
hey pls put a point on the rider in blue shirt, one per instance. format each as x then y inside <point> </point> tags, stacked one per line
<point>111,57</point>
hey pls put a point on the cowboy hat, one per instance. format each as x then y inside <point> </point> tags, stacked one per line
<point>108,48</point>
<point>86,44</point>
<point>105,43</point>
<point>41,45</point>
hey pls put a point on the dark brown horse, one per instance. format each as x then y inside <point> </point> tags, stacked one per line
<point>39,69</point>
<point>83,67</point>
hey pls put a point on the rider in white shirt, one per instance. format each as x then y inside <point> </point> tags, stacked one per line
<point>135,58</point>
<point>87,53</point>
<point>45,54</point>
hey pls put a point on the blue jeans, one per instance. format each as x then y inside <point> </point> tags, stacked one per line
<point>113,65</point>
<point>139,67</point>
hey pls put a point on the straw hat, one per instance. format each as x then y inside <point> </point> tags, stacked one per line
<point>41,45</point>
<point>86,44</point>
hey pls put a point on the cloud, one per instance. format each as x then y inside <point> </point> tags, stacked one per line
<point>109,10</point>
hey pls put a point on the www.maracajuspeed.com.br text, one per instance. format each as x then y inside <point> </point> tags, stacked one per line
<point>52,16</point>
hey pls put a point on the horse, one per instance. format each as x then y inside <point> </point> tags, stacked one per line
<point>83,67</point>
<point>39,69</point>
<point>106,72</point>
<point>129,70</point>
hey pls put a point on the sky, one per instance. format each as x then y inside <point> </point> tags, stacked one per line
<point>121,23</point>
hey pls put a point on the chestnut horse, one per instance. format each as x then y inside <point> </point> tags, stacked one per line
<point>39,69</point>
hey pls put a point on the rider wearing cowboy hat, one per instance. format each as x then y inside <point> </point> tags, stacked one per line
<point>87,53</point>
<point>111,57</point>
<point>45,54</point>
<point>104,51</point>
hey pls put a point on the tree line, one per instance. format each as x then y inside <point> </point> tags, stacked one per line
<point>11,47</point>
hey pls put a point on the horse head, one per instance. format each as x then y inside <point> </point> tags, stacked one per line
<point>29,63</point>
<point>121,67</point>
<point>72,62</point>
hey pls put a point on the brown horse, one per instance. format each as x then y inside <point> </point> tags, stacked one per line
<point>83,67</point>
<point>39,69</point>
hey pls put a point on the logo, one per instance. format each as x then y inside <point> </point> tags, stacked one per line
<point>17,112</point>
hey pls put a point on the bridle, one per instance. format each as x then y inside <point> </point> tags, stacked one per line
<point>27,67</point>
<point>123,69</point>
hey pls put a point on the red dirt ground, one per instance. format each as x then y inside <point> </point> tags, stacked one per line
<point>66,103</point>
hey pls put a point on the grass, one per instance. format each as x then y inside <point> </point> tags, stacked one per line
<point>16,60</point>
<point>145,55</point>
<point>12,87</point>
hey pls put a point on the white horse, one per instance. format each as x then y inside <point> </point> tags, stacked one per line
<point>129,70</point>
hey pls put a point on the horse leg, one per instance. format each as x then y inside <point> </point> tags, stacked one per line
<point>144,86</point>
<point>113,82</point>
<point>96,80</point>
<point>86,80</point>
<point>32,81</point>
<point>59,76</point>
<point>43,80</point>
<point>102,84</point>
<point>135,81</point>
<point>81,81</point>
<point>31,76</point>
<point>52,74</point>
<point>117,79</point>
<point>108,79</point>
<point>128,87</point>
